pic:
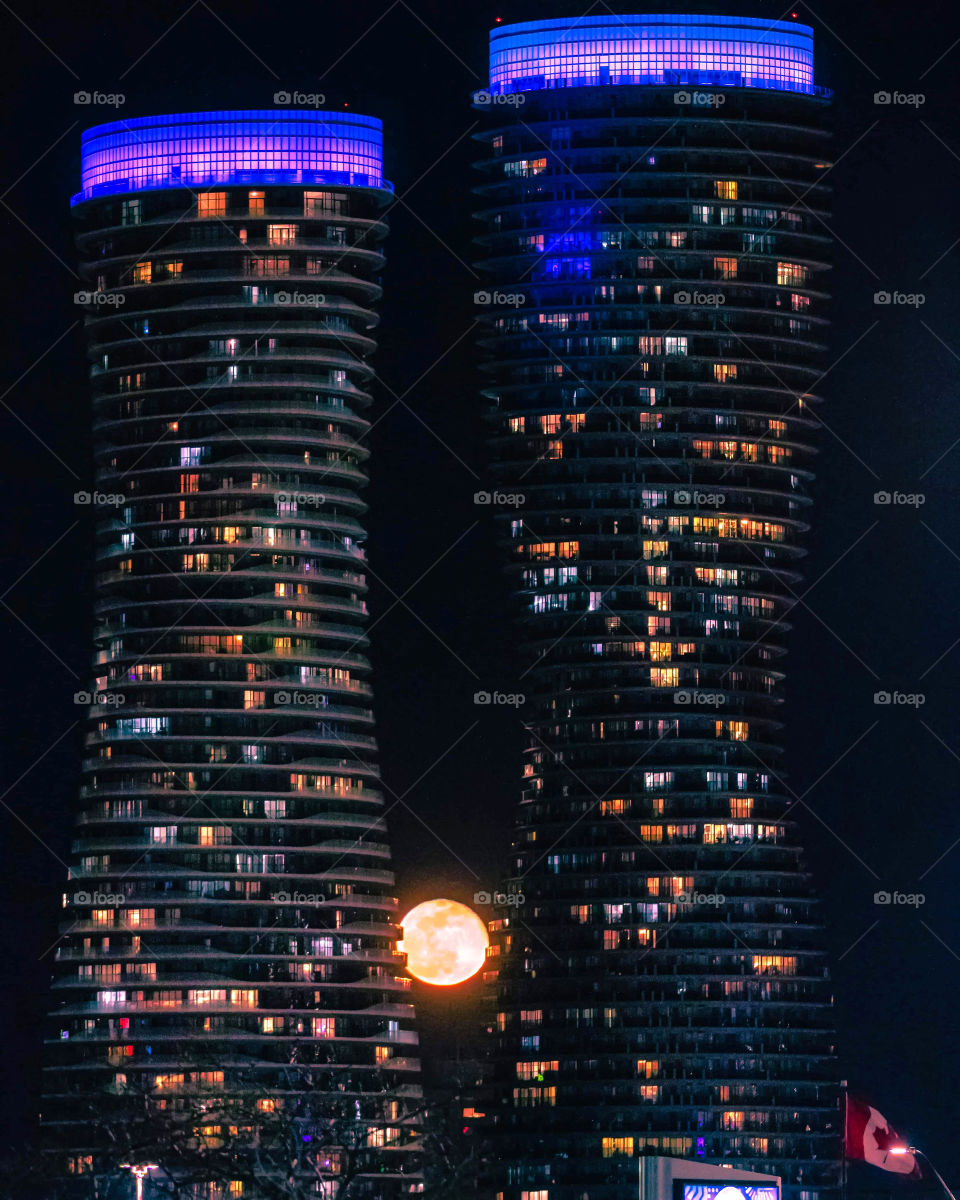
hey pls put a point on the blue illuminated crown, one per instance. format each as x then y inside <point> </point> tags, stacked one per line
<point>199,150</point>
<point>652,48</point>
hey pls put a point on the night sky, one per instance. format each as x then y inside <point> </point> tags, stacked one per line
<point>879,783</point>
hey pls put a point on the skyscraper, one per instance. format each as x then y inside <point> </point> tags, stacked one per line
<point>228,964</point>
<point>653,321</point>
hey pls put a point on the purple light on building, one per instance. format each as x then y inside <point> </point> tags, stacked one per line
<point>197,150</point>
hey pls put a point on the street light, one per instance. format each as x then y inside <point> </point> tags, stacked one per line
<point>140,1171</point>
<point>920,1154</point>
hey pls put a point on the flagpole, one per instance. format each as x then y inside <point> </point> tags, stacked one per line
<point>843,1143</point>
<point>939,1178</point>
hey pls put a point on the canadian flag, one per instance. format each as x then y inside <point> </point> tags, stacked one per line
<point>870,1136</point>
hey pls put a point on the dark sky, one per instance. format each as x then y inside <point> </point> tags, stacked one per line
<point>879,783</point>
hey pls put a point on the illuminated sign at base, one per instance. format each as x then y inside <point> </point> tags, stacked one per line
<point>724,1191</point>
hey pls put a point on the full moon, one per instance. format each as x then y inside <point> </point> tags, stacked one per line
<point>445,942</point>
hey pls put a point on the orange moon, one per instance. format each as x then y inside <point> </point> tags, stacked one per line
<point>445,942</point>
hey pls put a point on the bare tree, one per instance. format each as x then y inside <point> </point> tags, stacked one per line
<point>302,1143</point>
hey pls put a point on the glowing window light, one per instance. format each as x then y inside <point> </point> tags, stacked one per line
<point>199,150</point>
<point>652,49</point>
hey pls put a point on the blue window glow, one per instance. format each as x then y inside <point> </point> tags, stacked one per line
<point>652,48</point>
<point>199,150</point>
<point>562,268</point>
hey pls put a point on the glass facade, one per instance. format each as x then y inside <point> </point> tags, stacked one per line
<point>651,375</point>
<point>228,988</point>
<point>204,149</point>
<point>650,49</point>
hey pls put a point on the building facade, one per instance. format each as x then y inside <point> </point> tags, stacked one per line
<point>228,965</point>
<point>653,224</point>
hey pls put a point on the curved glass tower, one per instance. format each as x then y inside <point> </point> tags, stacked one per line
<point>228,967</point>
<point>653,228</point>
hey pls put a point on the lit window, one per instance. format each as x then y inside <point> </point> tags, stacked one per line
<point>791,274</point>
<point>726,268</point>
<point>142,272</point>
<point>725,189</point>
<point>774,964</point>
<point>256,202</point>
<point>244,997</point>
<point>525,167</point>
<point>270,265</point>
<point>324,204</point>
<point>281,235</point>
<point>168,1082</point>
<point>214,835</point>
<point>212,204</point>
